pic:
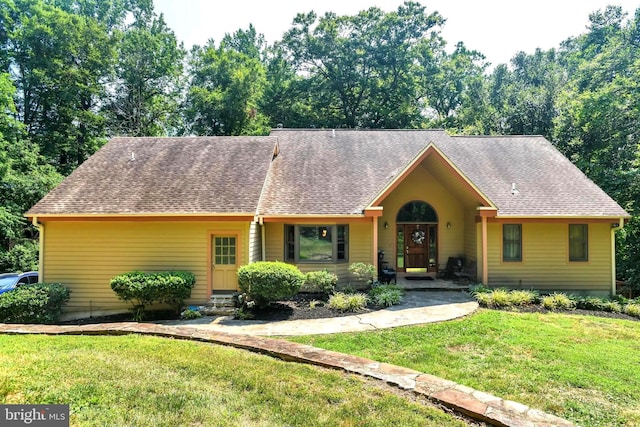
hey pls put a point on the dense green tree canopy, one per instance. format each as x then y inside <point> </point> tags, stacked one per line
<point>226,85</point>
<point>145,95</point>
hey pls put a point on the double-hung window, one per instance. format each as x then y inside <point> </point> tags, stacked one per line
<point>578,242</point>
<point>512,242</point>
<point>316,243</point>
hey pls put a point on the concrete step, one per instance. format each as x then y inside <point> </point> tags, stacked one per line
<point>206,310</point>
<point>219,305</point>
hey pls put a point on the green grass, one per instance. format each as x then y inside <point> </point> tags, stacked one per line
<point>147,381</point>
<point>582,368</point>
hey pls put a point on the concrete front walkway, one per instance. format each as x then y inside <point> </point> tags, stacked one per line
<point>418,307</point>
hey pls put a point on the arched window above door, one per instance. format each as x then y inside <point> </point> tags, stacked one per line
<point>417,212</point>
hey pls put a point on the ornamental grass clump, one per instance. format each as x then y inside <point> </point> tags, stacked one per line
<point>612,306</point>
<point>522,298</point>
<point>632,309</point>
<point>348,302</point>
<point>558,301</point>
<point>484,299</point>
<point>500,298</point>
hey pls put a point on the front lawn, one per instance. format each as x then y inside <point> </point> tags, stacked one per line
<point>582,368</point>
<point>147,381</point>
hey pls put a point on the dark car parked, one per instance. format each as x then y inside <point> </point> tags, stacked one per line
<point>10,281</point>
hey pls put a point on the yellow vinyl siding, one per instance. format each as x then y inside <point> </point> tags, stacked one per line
<point>423,186</point>
<point>471,240</point>
<point>360,247</point>
<point>545,259</point>
<point>274,241</point>
<point>85,255</point>
<point>255,242</point>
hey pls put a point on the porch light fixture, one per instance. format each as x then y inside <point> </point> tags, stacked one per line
<point>448,225</point>
<point>386,225</point>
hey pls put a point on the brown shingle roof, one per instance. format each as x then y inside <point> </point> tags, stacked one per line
<point>318,172</point>
<point>202,175</point>
<point>547,183</point>
<point>342,171</point>
<point>337,172</point>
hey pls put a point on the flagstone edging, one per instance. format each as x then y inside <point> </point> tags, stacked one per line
<point>473,403</point>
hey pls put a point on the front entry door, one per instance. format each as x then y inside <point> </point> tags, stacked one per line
<point>224,262</point>
<point>418,243</point>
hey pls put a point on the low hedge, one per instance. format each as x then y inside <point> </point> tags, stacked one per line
<point>36,303</point>
<point>143,289</point>
<point>320,281</point>
<point>267,281</point>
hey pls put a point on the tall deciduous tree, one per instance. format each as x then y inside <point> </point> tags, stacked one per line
<point>366,70</point>
<point>598,125</point>
<point>24,179</point>
<point>226,85</point>
<point>447,86</point>
<point>145,96</point>
<point>59,62</point>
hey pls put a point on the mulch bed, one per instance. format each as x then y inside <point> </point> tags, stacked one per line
<point>298,307</point>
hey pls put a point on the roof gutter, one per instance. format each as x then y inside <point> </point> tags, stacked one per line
<point>263,235</point>
<point>40,226</point>
<point>614,228</point>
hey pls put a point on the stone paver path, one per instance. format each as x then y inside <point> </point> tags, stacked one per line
<point>476,404</point>
<point>416,308</point>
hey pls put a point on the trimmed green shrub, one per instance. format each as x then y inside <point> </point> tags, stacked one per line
<point>558,301</point>
<point>386,295</point>
<point>37,303</point>
<point>348,302</point>
<point>320,281</point>
<point>363,272</point>
<point>175,287</point>
<point>143,289</point>
<point>632,309</point>
<point>267,281</point>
